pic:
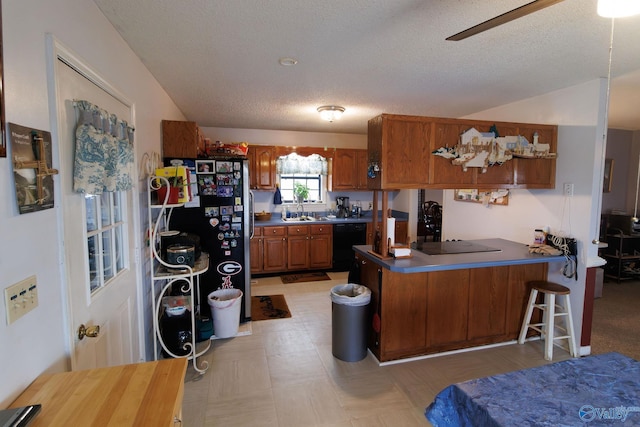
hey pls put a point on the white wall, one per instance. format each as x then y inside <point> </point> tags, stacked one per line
<point>579,112</point>
<point>31,243</point>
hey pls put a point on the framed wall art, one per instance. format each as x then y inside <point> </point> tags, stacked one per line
<point>487,197</point>
<point>32,171</point>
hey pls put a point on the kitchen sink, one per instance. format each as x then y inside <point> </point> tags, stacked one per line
<point>302,219</point>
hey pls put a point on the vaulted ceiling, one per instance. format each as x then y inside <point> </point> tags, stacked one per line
<point>219,59</point>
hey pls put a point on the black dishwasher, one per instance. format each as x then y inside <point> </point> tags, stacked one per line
<point>344,237</point>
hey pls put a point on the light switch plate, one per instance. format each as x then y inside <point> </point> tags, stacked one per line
<point>568,189</point>
<point>21,298</point>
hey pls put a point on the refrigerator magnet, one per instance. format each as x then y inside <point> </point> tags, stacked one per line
<point>211,211</point>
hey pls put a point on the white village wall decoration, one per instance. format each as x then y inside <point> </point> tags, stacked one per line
<point>477,149</point>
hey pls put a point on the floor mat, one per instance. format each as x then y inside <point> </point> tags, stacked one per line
<point>304,277</point>
<point>265,307</point>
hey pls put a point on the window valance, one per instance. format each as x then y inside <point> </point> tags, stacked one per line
<point>293,164</point>
<point>104,151</point>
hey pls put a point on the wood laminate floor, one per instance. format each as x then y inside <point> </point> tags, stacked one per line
<point>284,373</point>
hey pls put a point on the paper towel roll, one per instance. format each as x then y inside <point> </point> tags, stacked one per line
<point>391,231</point>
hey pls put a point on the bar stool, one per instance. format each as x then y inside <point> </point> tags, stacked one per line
<point>551,309</point>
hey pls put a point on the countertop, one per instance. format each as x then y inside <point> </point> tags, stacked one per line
<point>510,253</point>
<point>276,219</point>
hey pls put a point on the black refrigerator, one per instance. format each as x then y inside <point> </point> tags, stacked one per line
<point>221,216</point>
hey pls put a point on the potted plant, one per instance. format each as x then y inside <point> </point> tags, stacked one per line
<point>301,192</point>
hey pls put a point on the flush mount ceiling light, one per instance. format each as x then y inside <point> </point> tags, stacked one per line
<point>288,62</point>
<point>618,8</point>
<point>330,112</point>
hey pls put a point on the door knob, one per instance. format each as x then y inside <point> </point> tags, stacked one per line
<point>91,331</point>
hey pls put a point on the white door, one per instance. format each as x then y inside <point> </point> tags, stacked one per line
<point>99,243</point>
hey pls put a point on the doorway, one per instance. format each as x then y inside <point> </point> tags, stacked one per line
<point>114,305</point>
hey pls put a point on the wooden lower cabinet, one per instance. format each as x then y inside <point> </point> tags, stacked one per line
<point>276,249</point>
<point>447,307</point>
<point>488,297</point>
<point>298,247</point>
<point>321,246</point>
<point>256,248</point>
<point>404,330</point>
<point>433,312</point>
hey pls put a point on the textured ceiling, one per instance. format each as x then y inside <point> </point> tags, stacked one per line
<point>218,59</point>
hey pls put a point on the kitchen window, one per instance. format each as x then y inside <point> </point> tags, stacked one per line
<point>313,182</point>
<point>310,171</point>
<point>106,238</point>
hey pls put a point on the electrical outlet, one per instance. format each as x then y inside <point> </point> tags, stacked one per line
<point>568,190</point>
<point>21,298</point>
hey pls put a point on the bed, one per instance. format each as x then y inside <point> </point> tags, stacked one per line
<point>594,390</point>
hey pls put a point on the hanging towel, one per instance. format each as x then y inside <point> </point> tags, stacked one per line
<point>277,197</point>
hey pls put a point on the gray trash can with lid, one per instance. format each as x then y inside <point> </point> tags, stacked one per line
<point>349,314</point>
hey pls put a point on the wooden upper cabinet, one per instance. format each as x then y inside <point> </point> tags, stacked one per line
<point>402,146</point>
<point>349,170</point>
<point>537,173</point>
<point>362,163</point>
<point>262,167</point>
<point>442,171</point>
<point>182,139</point>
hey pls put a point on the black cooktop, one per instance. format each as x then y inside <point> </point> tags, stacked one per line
<point>451,247</point>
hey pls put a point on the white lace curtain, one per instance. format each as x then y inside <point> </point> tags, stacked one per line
<point>104,151</point>
<point>293,164</point>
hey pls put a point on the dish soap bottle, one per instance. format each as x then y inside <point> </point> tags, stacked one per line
<point>284,212</point>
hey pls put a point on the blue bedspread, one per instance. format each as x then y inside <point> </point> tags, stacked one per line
<point>590,391</point>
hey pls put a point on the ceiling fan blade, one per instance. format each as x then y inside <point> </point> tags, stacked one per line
<point>519,12</point>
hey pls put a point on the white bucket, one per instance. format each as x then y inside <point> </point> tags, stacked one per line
<point>225,310</point>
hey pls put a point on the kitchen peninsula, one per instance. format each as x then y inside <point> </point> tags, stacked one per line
<point>430,304</point>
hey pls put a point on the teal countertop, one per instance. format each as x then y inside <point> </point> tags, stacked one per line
<point>509,253</point>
